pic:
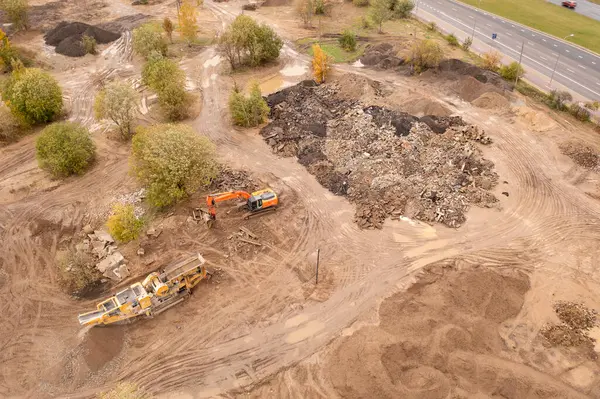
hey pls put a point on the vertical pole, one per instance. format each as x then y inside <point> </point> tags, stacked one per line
<point>317,274</point>
<point>554,70</point>
<point>520,58</point>
<point>474,26</point>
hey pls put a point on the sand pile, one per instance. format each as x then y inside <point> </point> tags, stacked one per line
<point>536,121</point>
<point>424,106</point>
<point>491,100</point>
<point>67,37</point>
<point>580,153</point>
<point>389,163</point>
<point>469,89</point>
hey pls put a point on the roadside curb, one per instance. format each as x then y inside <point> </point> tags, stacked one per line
<point>586,50</point>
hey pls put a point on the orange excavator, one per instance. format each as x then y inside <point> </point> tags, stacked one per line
<point>256,203</point>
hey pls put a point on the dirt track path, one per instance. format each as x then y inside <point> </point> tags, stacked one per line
<point>221,345</point>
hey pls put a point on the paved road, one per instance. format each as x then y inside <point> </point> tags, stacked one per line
<point>584,7</point>
<point>577,69</point>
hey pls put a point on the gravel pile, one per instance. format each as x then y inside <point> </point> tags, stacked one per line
<point>67,37</point>
<point>576,320</point>
<point>389,163</point>
<point>581,154</point>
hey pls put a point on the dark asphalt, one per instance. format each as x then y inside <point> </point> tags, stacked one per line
<point>577,69</point>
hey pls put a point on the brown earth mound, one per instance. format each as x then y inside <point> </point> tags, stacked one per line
<point>425,106</point>
<point>454,66</point>
<point>469,88</point>
<point>440,339</point>
<point>491,100</point>
<point>67,37</point>
<point>381,56</point>
<point>389,163</point>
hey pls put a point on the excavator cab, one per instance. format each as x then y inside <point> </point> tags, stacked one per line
<point>262,199</point>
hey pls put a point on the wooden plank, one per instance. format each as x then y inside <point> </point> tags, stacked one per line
<point>247,231</point>
<point>250,241</point>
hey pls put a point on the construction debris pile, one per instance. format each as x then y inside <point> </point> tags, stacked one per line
<point>230,179</point>
<point>581,154</point>
<point>67,37</point>
<point>381,56</point>
<point>388,163</point>
<point>101,245</point>
<point>576,321</point>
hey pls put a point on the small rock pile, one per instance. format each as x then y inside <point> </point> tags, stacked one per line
<point>576,321</point>
<point>102,247</point>
<point>581,154</point>
<point>389,163</point>
<point>231,179</point>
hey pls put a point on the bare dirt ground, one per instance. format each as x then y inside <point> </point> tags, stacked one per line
<point>262,325</point>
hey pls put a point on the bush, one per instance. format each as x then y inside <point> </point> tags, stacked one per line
<point>123,224</point>
<point>593,105</point>
<point>10,128</point>
<point>117,102</point>
<point>33,95</point>
<point>432,27</point>
<point>124,390</point>
<point>557,99</point>
<point>16,11</point>
<point>247,43</point>
<point>167,80</point>
<point>452,40</point>
<point>77,272</point>
<point>401,8</point>
<point>148,39</point>
<point>467,44</point>
<point>426,54</point>
<point>248,111</point>
<point>10,56</point>
<point>579,112</point>
<point>348,40</point>
<point>361,3</point>
<point>172,161</point>
<point>319,7</point>
<point>168,27</point>
<point>491,60</point>
<point>365,23</point>
<point>64,149</point>
<point>305,9</point>
<point>89,44</point>
<point>511,71</point>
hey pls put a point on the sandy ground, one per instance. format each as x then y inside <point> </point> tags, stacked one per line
<point>263,314</point>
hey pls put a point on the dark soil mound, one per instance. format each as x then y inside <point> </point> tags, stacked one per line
<point>382,56</point>
<point>482,75</point>
<point>67,37</point>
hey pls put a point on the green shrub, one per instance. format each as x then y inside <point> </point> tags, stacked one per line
<point>247,43</point>
<point>167,80</point>
<point>10,128</point>
<point>16,11</point>
<point>361,3</point>
<point>511,71</point>
<point>64,149</point>
<point>77,272</point>
<point>452,40</point>
<point>593,105</point>
<point>579,112</point>
<point>248,111</point>
<point>89,44</point>
<point>401,8</point>
<point>33,95</point>
<point>148,39</point>
<point>491,60</point>
<point>467,44</point>
<point>348,40</point>
<point>432,27</point>
<point>426,54</point>
<point>172,161</point>
<point>123,224</point>
<point>557,99</point>
<point>365,23</point>
<point>319,7</point>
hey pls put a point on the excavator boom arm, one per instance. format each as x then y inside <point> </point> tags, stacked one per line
<point>212,199</point>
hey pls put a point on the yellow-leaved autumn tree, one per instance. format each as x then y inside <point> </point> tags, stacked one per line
<point>320,63</point>
<point>188,23</point>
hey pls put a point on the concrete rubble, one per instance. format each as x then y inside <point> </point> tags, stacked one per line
<point>389,163</point>
<point>101,246</point>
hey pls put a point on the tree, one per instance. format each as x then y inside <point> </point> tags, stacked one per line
<point>511,71</point>
<point>426,54</point>
<point>305,10</point>
<point>16,10</point>
<point>89,44</point>
<point>380,12</point>
<point>148,39</point>
<point>579,112</point>
<point>172,161</point>
<point>320,63</point>
<point>401,8</point>
<point>247,43</point>
<point>64,149</point>
<point>9,55</point>
<point>188,24</point>
<point>491,60</point>
<point>33,95</point>
<point>168,27</point>
<point>118,102</point>
<point>467,43</point>
<point>123,224</point>
<point>248,111</point>
<point>557,99</point>
<point>167,80</point>
<point>348,40</point>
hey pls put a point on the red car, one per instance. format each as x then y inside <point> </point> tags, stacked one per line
<point>569,4</point>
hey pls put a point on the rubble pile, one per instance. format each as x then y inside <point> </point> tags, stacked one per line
<point>231,179</point>
<point>580,153</point>
<point>389,163</point>
<point>101,246</point>
<point>576,321</point>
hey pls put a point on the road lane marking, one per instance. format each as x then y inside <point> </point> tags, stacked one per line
<point>555,45</point>
<point>488,25</point>
<point>503,22</point>
<point>580,57</point>
<point>544,39</point>
<point>598,83</point>
<point>522,30</point>
<point>567,50</point>
<point>509,34</point>
<point>570,70</point>
<point>454,9</point>
<point>532,35</point>
<point>470,16</point>
<point>544,58</point>
<point>593,63</point>
<point>581,66</point>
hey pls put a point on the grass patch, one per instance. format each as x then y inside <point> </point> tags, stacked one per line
<point>333,49</point>
<point>546,17</point>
